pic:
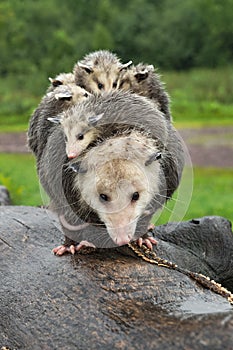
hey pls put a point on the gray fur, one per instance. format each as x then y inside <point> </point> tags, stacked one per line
<point>123,112</point>
<point>143,80</point>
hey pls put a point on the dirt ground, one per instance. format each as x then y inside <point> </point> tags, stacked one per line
<point>208,147</point>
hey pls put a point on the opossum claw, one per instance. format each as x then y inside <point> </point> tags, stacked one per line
<point>62,249</point>
<point>84,244</point>
<point>148,241</point>
<point>139,241</point>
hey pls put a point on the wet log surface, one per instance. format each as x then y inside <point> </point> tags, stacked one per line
<point>110,298</point>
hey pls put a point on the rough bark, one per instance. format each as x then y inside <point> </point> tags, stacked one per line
<point>110,298</point>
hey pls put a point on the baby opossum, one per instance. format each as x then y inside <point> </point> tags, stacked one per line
<point>84,124</point>
<point>99,71</point>
<point>143,80</point>
<point>61,95</point>
<point>118,181</point>
<point>61,79</point>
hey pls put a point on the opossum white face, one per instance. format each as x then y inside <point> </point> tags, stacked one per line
<point>79,134</point>
<point>119,191</point>
<point>62,79</point>
<point>99,71</point>
<point>98,80</point>
<point>63,88</point>
<point>134,78</point>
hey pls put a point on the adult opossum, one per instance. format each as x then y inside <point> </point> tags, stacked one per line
<point>96,119</point>
<point>99,71</point>
<point>61,95</point>
<point>143,80</point>
<point>119,180</point>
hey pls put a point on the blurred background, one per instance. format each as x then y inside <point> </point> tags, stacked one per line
<point>189,41</point>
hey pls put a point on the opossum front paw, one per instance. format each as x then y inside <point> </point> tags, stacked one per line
<point>62,249</point>
<point>148,241</point>
<point>84,244</point>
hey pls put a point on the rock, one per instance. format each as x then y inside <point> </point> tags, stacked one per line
<point>111,298</point>
<point>4,196</point>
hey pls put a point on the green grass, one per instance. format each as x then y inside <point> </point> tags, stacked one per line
<point>201,97</point>
<point>18,174</point>
<point>211,194</point>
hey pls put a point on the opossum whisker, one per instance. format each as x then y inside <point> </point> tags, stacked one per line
<point>172,199</point>
<point>164,205</point>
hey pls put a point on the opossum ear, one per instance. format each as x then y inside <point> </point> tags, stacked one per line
<point>77,168</point>
<point>153,157</point>
<point>55,120</point>
<point>94,119</point>
<point>141,75</point>
<point>150,68</point>
<point>88,69</point>
<point>65,95</point>
<point>55,82</point>
<point>126,65</point>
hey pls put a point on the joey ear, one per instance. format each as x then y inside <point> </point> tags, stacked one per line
<point>153,157</point>
<point>150,68</point>
<point>77,168</point>
<point>88,69</point>
<point>55,120</point>
<point>94,119</point>
<point>140,76</point>
<point>126,65</point>
<point>64,95</point>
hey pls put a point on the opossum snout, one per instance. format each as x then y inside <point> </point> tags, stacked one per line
<point>123,241</point>
<point>122,234</point>
<point>72,155</point>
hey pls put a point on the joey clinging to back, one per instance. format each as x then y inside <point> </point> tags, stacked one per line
<point>99,71</point>
<point>62,94</point>
<point>142,80</point>
<point>103,116</point>
<point>79,130</point>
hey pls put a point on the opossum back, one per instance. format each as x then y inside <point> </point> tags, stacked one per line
<point>122,110</point>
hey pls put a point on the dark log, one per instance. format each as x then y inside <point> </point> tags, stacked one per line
<point>111,298</point>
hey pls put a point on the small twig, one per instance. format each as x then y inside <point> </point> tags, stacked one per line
<point>151,257</point>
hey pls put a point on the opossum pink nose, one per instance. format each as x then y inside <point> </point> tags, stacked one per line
<point>72,155</point>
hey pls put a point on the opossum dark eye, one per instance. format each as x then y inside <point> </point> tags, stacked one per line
<point>104,197</point>
<point>100,86</point>
<point>135,196</point>
<point>80,136</point>
<point>86,94</point>
<point>114,85</point>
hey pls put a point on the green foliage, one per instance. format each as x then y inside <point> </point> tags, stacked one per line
<point>49,36</point>
<point>43,38</point>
